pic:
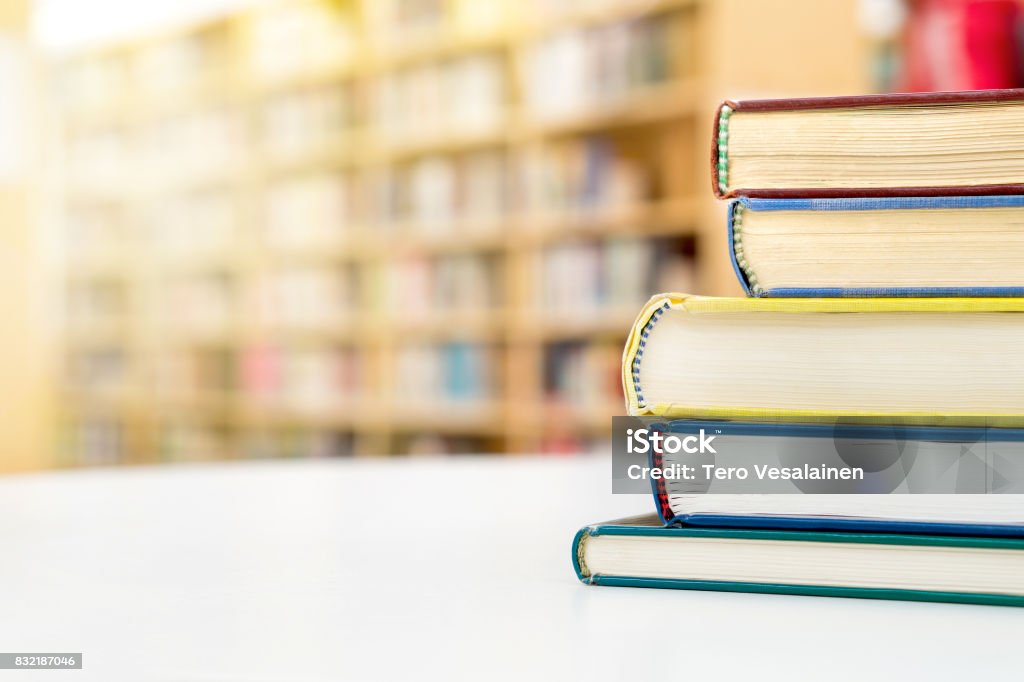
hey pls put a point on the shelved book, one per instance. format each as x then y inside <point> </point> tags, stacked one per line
<point>915,144</point>
<point>639,552</point>
<point>933,360</point>
<point>895,246</point>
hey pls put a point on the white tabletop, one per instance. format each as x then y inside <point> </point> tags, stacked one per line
<point>411,569</point>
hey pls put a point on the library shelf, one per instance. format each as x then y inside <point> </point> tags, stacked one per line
<point>611,179</point>
<point>596,322</point>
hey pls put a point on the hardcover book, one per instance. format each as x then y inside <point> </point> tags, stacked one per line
<point>972,477</point>
<point>929,360</point>
<point>896,246</point>
<point>639,552</point>
<point>915,144</point>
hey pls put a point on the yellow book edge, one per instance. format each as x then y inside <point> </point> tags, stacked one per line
<point>658,305</point>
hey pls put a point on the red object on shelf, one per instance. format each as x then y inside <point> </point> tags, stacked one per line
<point>962,45</point>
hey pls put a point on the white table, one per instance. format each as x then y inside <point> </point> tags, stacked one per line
<point>411,569</point>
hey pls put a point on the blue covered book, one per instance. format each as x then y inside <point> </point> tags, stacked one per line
<point>913,479</point>
<point>639,552</point>
<point>895,246</point>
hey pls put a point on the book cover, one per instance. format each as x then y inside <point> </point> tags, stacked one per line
<point>970,465</point>
<point>910,103</point>
<point>1001,267</point>
<point>638,552</point>
<point>717,321</point>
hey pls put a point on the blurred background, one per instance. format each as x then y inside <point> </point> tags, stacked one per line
<point>240,229</point>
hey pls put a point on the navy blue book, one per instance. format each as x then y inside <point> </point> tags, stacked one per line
<point>950,246</point>
<point>936,480</point>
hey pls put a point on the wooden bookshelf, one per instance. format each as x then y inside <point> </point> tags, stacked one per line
<point>225,146</point>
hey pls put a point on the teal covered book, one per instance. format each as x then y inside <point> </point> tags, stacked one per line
<point>640,552</point>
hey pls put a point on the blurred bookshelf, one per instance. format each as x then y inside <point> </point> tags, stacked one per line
<point>362,228</point>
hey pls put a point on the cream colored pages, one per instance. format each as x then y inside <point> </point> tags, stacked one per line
<point>885,363</point>
<point>965,247</point>
<point>871,147</point>
<point>943,569</point>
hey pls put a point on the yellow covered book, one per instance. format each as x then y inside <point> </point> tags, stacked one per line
<point>944,360</point>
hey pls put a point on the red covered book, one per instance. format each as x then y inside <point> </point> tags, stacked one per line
<point>913,144</point>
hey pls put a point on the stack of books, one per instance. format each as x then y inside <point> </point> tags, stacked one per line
<point>881,243</point>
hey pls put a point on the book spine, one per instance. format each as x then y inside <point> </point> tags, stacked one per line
<point>720,151</point>
<point>579,564</point>
<point>740,265</point>
<point>634,352</point>
<point>659,490</point>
